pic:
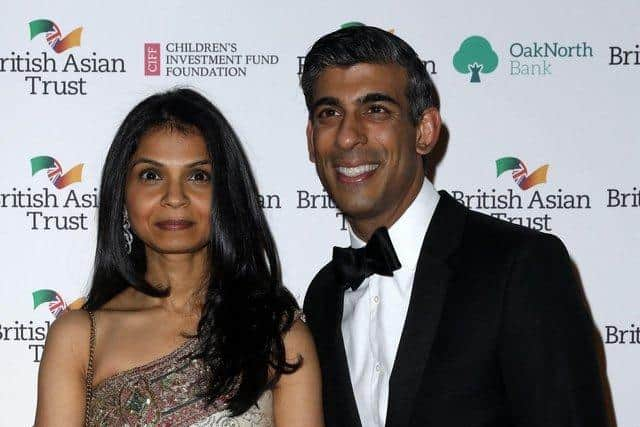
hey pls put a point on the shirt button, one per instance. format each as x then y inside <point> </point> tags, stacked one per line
<point>378,367</point>
<point>376,299</point>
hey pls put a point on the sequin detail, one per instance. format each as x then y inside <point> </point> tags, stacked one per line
<point>167,392</point>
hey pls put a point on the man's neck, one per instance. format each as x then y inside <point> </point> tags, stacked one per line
<point>364,228</point>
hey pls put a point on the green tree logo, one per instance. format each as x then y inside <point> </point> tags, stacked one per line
<point>475,56</point>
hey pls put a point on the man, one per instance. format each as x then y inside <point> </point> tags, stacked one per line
<point>449,318</point>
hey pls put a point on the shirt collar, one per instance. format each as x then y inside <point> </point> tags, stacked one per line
<point>407,233</point>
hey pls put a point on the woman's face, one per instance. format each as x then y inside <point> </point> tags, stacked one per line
<point>169,190</point>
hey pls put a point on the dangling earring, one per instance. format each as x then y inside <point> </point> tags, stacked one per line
<point>126,230</point>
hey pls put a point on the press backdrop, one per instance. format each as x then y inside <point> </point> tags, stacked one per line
<point>540,100</point>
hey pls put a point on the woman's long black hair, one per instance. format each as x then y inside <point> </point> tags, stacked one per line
<point>247,309</point>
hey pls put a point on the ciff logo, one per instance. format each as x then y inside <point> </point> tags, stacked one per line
<point>475,56</point>
<point>53,35</point>
<point>521,176</point>
<point>54,171</point>
<point>152,59</point>
<point>57,305</point>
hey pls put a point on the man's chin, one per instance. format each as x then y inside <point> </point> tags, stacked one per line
<point>355,209</point>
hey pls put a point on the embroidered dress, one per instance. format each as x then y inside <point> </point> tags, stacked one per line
<point>166,392</point>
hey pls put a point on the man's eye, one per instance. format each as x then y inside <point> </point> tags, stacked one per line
<point>200,176</point>
<point>377,109</point>
<point>327,113</point>
<point>149,175</point>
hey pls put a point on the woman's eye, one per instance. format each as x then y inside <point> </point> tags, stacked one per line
<point>149,175</point>
<point>200,176</point>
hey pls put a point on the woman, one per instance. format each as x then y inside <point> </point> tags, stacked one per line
<point>187,321</point>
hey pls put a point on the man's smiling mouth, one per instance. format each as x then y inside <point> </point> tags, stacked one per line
<point>357,173</point>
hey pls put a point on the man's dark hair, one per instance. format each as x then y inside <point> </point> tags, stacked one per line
<point>364,44</point>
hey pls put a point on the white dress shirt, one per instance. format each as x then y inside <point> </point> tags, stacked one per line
<point>374,314</point>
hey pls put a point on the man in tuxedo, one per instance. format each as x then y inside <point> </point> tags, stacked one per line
<point>436,315</point>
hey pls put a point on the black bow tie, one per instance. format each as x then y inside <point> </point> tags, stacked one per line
<point>352,266</point>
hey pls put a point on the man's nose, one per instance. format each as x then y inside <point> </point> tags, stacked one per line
<point>351,132</point>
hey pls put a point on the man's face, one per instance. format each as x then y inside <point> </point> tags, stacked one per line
<point>360,136</point>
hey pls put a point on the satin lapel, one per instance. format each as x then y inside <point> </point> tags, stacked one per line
<point>425,308</point>
<point>346,410</point>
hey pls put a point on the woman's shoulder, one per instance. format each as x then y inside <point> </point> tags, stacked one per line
<point>68,339</point>
<point>297,339</point>
<point>71,326</point>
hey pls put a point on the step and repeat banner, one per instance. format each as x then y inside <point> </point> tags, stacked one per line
<point>540,103</point>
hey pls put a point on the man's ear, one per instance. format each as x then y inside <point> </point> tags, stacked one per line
<point>310,148</point>
<point>428,131</point>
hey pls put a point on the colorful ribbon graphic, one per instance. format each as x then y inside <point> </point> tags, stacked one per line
<point>520,174</point>
<point>54,171</point>
<point>56,303</point>
<point>54,35</point>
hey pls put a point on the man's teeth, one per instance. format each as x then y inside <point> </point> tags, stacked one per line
<point>357,170</point>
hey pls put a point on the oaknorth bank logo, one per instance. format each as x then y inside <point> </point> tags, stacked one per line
<point>54,171</point>
<point>53,35</point>
<point>520,174</point>
<point>56,303</point>
<point>474,56</point>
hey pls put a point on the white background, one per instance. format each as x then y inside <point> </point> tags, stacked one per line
<point>581,120</point>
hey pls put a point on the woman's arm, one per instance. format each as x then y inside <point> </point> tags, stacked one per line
<point>298,396</point>
<point>61,379</point>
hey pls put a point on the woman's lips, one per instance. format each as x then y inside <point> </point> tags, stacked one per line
<point>174,224</point>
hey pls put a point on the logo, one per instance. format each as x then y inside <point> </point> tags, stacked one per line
<point>152,60</point>
<point>623,198</point>
<point>351,24</point>
<point>533,59</point>
<point>207,59</point>
<point>47,209</point>
<point>622,334</point>
<point>57,305</point>
<point>54,171</point>
<point>429,64</point>
<point>519,172</point>
<point>360,24</point>
<point>475,56</point>
<point>535,209</point>
<point>54,36</point>
<point>620,56</point>
<point>66,72</point>
<point>33,333</point>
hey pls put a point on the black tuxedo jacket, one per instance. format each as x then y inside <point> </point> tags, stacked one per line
<point>497,333</point>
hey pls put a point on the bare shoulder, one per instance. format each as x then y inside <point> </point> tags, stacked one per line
<point>298,342</point>
<point>62,371</point>
<point>71,331</point>
<point>298,395</point>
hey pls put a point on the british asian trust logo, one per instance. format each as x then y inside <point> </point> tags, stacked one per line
<point>33,333</point>
<point>429,64</point>
<point>59,205</point>
<point>527,201</point>
<point>60,67</point>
